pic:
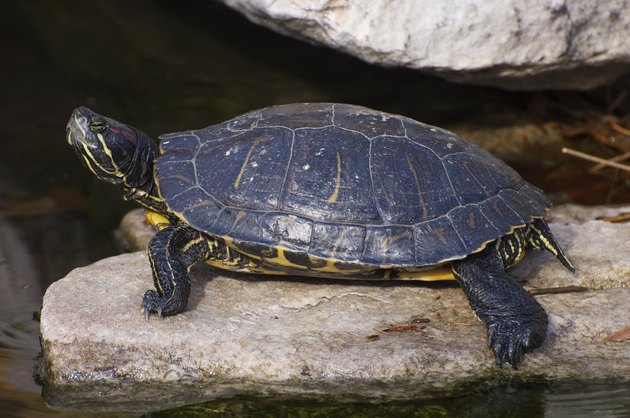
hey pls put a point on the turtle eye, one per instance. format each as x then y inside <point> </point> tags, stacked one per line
<point>97,126</point>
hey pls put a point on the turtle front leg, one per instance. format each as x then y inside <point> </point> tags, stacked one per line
<point>172,252</point>
<point>516,323</point>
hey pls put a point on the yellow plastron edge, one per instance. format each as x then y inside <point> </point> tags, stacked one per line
<point>435,275</point>
<point>158,221</point>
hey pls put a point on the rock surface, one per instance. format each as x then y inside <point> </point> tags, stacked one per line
<point>512,44</point>
<point>243,334</point>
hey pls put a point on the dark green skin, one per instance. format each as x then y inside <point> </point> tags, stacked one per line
<point>411,196</point>
<point>516,323</point>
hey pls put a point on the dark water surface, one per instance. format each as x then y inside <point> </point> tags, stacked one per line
<point>167,66</point>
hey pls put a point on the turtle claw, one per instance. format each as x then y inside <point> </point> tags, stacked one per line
<point>163,305</point>
<point>510,340</point>
<point>152,302</point>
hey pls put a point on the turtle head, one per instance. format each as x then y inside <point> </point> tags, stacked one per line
<point>113,151</point>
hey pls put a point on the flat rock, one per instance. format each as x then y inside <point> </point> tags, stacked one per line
<point>533,45</point>
<point>242,334</point>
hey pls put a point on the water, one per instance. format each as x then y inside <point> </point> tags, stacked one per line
<point>166,66</point>
<point>516,401</point>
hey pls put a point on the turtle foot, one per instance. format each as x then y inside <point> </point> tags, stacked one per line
<point>170,304</point>
<point>511,338</point>
<point>153,302</point>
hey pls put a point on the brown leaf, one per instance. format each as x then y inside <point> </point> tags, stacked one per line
<point>622,335</point>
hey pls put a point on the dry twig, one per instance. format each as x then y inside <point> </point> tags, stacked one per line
<point>595,159</point>
<point>555,290</point>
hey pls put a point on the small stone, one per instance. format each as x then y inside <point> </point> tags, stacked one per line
<point>134,232</point>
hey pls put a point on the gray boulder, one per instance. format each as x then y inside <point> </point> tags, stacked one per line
<point>513,44</point>
<point>244,335</point>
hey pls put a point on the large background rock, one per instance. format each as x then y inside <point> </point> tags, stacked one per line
<point>514,44</point>
<point>243,334</point>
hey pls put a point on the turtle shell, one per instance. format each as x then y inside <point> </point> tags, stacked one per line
<point>340,182</point>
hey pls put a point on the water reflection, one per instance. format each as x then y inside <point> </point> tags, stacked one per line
<point>35,250</point>
<point>587,401</point>
<point>45,230</point>
<point>20,287</point>
<point>514,401</point>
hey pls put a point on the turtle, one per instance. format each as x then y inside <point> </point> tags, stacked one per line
<point>330,190</point>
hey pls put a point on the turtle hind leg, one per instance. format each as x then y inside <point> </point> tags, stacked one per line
<point>172,252</point>
<point>516,323</point>
<point>539,236</point>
